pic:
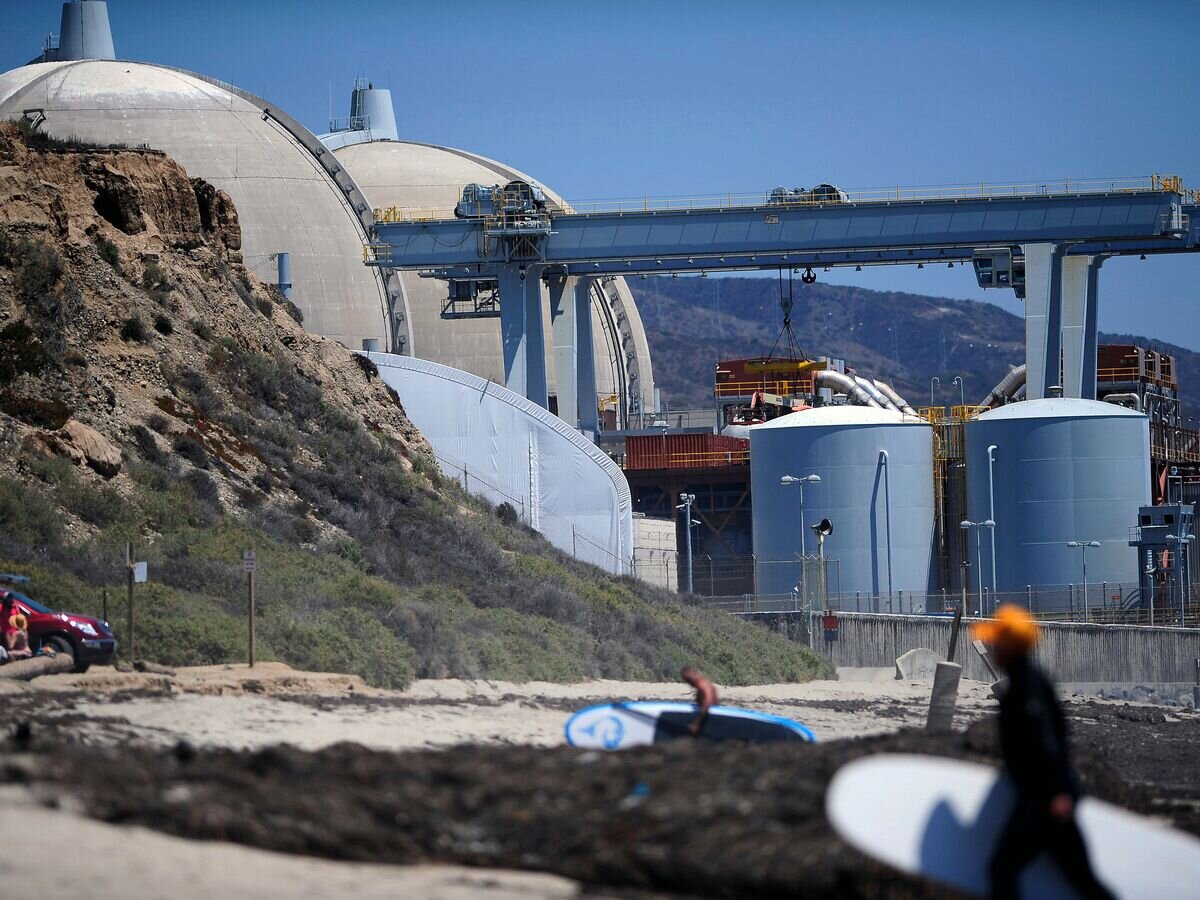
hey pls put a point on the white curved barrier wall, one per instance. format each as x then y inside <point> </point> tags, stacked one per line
<point>507,449</point>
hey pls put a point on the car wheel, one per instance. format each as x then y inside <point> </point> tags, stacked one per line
<point>64,645</point>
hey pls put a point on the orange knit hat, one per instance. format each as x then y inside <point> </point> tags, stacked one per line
<point>1012,626</point>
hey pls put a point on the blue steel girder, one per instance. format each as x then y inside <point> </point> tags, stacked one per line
<point>767,237</point>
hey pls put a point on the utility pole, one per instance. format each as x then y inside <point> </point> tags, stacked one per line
<point>129,578</point>
<point>686,506</point>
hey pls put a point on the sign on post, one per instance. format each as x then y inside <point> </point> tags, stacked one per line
<point>250,566</point>
<point>141,573</point>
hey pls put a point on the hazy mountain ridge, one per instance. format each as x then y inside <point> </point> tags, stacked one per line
<point>903,338</point>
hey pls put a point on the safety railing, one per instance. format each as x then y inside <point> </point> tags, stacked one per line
<point>377,253</point>
<point>783,387</point>
<point>978,191</point>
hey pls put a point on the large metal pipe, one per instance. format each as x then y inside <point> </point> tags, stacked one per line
<point>1006,389</point>
<point>899,402</point>
<point>844,383</point>
<point>877,395</point>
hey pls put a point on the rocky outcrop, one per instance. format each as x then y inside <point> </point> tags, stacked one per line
<point>123,299</point>
<point>97,450</point>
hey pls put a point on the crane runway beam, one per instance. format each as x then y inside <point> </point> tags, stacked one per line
<point>1062,238</point>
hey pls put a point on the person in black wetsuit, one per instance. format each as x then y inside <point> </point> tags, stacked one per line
<point>1033,741</point>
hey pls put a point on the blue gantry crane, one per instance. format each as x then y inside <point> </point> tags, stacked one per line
<point>1045,241</point>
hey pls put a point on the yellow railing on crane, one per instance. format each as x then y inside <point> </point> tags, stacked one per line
<point>979,191</point>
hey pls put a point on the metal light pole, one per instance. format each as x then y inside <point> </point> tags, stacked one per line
<point>962,401</point>
<point>1083,545</point>
<point>987,523</point>
<point>686,506</point>
<point>992,512</point>
<point>932,383</point>
<point>812,478</point>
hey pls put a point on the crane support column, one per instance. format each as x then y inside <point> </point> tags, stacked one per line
<point>585,357</point>
<point>1043,318</point>
<point>521,330</point>
<point>1074,322</point>
<point>1091,326</point>
<point>566,346</point>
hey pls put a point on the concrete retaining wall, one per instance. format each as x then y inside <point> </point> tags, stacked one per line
<point>1070,652</point>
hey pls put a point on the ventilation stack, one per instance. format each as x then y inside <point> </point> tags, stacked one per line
<point>85,33</point>
<point>371,110</point>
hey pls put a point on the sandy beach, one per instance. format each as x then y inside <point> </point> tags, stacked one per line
<point>240,708</point>
<point>197,754</point>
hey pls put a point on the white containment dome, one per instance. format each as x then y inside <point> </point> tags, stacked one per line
<point>412,175</point>
<point>1061,470</point>
<point>291,195</point>
<point>876,488</point>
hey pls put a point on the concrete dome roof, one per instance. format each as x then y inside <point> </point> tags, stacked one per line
<point>410,174</point>
<point>271,167</point>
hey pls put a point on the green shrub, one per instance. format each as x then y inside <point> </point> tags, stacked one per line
<point>264,305</point>
<point>345,640</point>
<point>21,353</point>
<point>110,253</point>
<point>100,506</point>
<point>133,329</point>
<point>162,324</point>
<point>201,330</point>
<point>27,517</point>
<point>40,267</point>
<point>192,449</point>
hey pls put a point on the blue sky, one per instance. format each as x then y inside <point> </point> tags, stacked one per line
<point>621,99</point>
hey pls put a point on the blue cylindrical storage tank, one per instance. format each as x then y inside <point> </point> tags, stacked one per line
<point>1064,470</point>
<point>876,470</point>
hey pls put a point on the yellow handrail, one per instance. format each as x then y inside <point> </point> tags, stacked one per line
<point>730,200</point>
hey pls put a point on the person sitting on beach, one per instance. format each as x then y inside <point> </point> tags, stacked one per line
<point>706,695</point>
<point>1033,742</point>
<point>14,627</point>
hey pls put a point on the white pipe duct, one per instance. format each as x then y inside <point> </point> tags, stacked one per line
<point>845,384</point>
<point>899,402</point>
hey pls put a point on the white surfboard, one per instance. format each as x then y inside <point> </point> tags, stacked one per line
<point>940,818</point>
<point>614,726</point>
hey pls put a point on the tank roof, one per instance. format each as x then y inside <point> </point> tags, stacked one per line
<point>1058,408</point>
<point>838,415</point>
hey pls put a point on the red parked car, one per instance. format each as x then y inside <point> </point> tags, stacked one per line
<point>89,640</point>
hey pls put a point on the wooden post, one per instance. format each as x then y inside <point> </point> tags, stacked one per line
<point>104,593</point>
<point>954,627</point>
<point>250,579</point>
<point>129,578</point>
<point>249,566</point>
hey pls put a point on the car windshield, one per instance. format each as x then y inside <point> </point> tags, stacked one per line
<point>32,604</point>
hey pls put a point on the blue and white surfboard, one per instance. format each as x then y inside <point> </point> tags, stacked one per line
<point>614,726</point>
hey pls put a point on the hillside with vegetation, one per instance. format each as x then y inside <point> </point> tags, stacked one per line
<point>905,339</point>
<point>154,391</point>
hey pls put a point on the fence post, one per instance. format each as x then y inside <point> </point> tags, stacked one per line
<point>1029,597</point>
<point>858,601</point>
